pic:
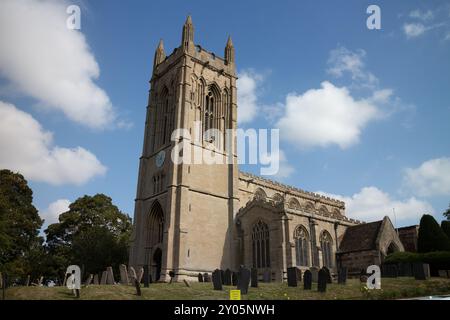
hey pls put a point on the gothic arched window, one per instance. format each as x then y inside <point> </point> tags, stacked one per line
<point>155,225</point>
<point>301,246</point>
<point>261,247</point>
<point>326,243</point>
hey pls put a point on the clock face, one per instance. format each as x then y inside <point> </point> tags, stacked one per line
<point>160,158</point>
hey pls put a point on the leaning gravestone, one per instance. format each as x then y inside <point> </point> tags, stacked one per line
<point>243,280</point>
<point>292,276</point>
<point>146,276</point>
<point>267,276</point>
<point>254,278</point>
<point>104,276</point>
<point>110,277</point>
<point>421,271</point>
<point>140,274</point>
<point>342,275</point>
<point>307,280</point>
<point>234,278</point>
<point>123,274</point>
<point>200,277</point>
<point>314,273</point>
<point>329,279</point>
<point>228,277</point>
<point>217,279</point>
<point>95,281</point>
<point>322,281</point>
<point>206,277</point>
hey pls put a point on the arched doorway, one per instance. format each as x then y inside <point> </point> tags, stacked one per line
<point>157,259</point>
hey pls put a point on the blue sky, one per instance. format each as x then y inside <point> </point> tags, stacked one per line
<point>363,114</point>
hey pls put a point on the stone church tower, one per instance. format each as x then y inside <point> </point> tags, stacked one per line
<point>184,212</point>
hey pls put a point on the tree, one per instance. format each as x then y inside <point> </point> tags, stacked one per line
<point>447,213</point>
<point>445,226</point>
<point>19,223</point>
<point>94,233</point>
<point>431,236</point>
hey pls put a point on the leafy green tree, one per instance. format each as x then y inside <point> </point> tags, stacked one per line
<point>93,234</point>
<point>19,224</point>
<point>447,213</point>
<point>445,226</point>
<point>431,236</point>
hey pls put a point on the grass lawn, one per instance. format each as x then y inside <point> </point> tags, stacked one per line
<point>390,289</point>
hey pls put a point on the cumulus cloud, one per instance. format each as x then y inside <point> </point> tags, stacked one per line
<point>413,30</point>
<point>52,212</point>
<point>247,95</point>
<point>43,59</point>
<point>26,147</point>
<point>431,178</point>
<point>325,116</point>
<point>371,204</point>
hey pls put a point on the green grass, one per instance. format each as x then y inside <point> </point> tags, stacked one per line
<point>391,289</point>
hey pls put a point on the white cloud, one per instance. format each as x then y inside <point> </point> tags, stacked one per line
<point>325,116</point>
<point>52,212</point>
<point>27,148</point>
<point>413,30</point>
<point>247,95</point>
<point>285,170</point>
<point>342,61</point>
<point>43,59</point>
<point>371,204</point>
<point>422,15</point>
<point>431,178</point>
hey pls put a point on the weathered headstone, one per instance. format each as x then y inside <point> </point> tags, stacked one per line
<point>243,280</point>
<point>222,276</point>
<point>421,271</point>
<point>234,278</point>
<point>137,285</point>
<point>200,277</point>
<point>267,276</point>
<point>89,279</point>
<point>217,279</point>
<point>123,274</point>
<point>140,274</point>
<point>322,280</point>
<point>27,283</point>
<point>307,280</point>
<point>442,273</point>
<point>110,277</point>
<point>329,279</point>
<point>228,277</point>
<point>314,273</point>
<point>132,274</point>
<point>104,276</point>
<point>299,275</point>
<point>146,276</point>
<point>254,278</point>
<point>95,282</point>
<point>342,275</point>
<point>292,276</point>
<point>206,277</point>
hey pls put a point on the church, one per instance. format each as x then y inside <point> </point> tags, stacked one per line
<point>195,218</point>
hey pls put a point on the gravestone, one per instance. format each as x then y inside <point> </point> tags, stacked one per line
<point>27,283</point>
<point>314,273</point>
<point>299,275</point>
<point>206,277</point>
<point>132,275</point>
<point>329,279</point>
<point>200,277</point>
<point>95,279</point>
<point>342,275</point>
<point>243,280</point>
<point>292,276</point>
<point>104,276</point>
<point>307,280</point>
<point>222,276</point>
<point>322,280</point>
<point>254,278</point>
<point>89,280</point>
<point>123,274</point>
<point>442,273</point>
<point>137,285</point>
<point>146,276</point>
<point>140,274</point>
<point>267,276</point>
<point>234,278</point>
<point>110,277</point>
<point>217,279</point>
<point>228,277</point>
<point>421,271</point>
